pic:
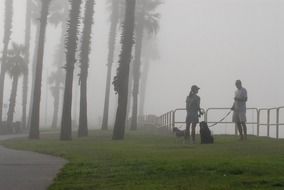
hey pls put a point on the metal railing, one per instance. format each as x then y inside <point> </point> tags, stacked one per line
<point>168,120</point>
<point>268,123</point>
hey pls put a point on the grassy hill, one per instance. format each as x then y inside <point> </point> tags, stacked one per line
<point>153,161</point>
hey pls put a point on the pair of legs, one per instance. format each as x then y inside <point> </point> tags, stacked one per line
<point>242,128</point>
<point>187,131</point>
<point>239,117</point>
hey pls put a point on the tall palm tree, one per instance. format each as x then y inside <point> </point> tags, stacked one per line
<point>16,67</point>
<point>27,59</point>
<point>34,125</point>
<point>56,80</point>
<point>6,40</point>
<point>114,20</point>
<point>59,10</point>
<point>121,79</point>
<point>84,59</point>
<point>35,18</point>
<point>130,91</point>
<point>146,19</point>
<point>150,53</point>
<point>71,46</point>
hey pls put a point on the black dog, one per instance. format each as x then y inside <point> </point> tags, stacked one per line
<point>205,134</point>
<point>178,132</point>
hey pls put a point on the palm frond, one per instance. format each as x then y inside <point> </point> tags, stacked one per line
<point>56,18</point>
<point>35,10</point>
<point>147,17</point>
<point>152,23</point>
<point>56,77</point>
<point>58,12</point>
<point>16,64</point>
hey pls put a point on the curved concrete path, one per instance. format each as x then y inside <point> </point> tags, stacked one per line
<point>23,170</point>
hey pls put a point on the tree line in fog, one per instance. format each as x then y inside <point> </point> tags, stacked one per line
<point>135,22</point>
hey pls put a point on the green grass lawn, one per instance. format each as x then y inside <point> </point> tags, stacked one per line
<point>151,161</point>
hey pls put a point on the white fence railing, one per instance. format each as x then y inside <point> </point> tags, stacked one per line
<point>269,118</point>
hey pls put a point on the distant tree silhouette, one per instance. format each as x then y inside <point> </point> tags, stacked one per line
<point>56,80</point>
<point>7,34</point>
<point>35,18</point>
<point>58,15</point>
<point>84,60</point>
<point>16,67</point>
<point>27,60</point>
<point>146,19</point>
<point>150,53</point>
<point>35,114</point>
<point>57,11</point>
<point>71,47</point>
<point>121,79</point>
<point>114,20</point>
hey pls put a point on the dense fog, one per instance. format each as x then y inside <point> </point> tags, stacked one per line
<point>210,43</point>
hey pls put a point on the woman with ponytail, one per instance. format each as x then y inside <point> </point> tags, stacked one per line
<point>193,112</point>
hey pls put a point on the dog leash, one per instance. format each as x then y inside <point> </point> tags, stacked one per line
<point>221,119</point>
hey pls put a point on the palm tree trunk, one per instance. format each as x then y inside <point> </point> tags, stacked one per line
<point>130,90</point>
<point>119,127</point>
<point>25,97</point>
<point>58,87</point>
<point>2,81</point>
<point>27,59</point>
<point>133,125</point>
<point>111,44</point>
<point>121,80</point>
<point>12,102</point>
<point>107,95</point>
<point>86,41</point>
<point>83,118</point>
<point>33,74</point>
<point>75,110</point>
<point>34,128</point>
<point>136,72</point>
<point>66,122</point>
<point>56,97</point>
<point>6,40</point>
<point>143,87</point>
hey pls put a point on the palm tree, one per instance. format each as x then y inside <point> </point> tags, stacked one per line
<point>27,59</point>
<point>6,40</point>
<point>149,53</point>
<point>121,79</point>
<point>71,46</point>
<point>35,17</point>
<point>58,14</point>
<point>56,80</point>
<point>130,91</point>
<point>84,59</point>
<point>16,67</point>
<point>146,19</point>
<point>58,10</point>
<point>111,46</point>
<point>34,125</point>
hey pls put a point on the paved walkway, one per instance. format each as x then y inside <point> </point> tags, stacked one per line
<point>23,170</point>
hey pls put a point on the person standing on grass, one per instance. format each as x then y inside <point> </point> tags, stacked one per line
<point>239,108</point>
<point>193,112</point>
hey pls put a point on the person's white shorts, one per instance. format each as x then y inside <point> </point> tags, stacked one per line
<point>239,117</point>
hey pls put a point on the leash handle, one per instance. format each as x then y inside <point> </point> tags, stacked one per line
<point>221,119</point>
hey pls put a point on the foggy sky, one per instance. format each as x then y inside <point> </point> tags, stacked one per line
<point>210,43</point>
